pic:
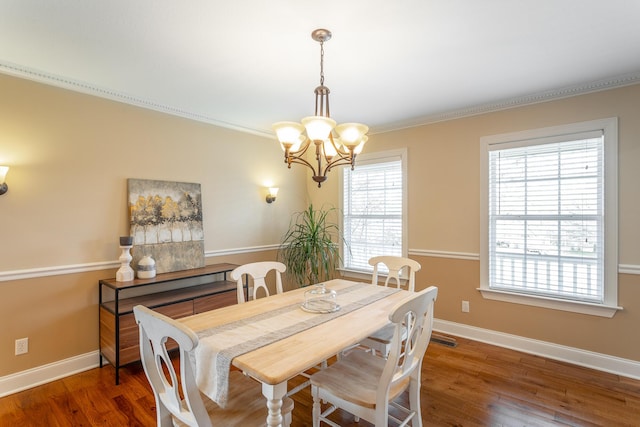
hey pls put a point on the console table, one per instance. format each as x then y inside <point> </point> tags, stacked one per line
<point>118,329</point>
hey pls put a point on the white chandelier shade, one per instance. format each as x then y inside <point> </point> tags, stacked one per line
<point>318,128</point>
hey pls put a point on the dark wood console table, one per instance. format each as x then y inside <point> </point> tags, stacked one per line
<point>118,329</point>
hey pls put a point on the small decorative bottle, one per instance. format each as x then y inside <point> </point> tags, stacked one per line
<point>146,268</point>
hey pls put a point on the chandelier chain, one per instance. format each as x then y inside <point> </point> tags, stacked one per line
<point>322,63</point>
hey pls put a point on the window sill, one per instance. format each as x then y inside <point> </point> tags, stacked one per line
<point>601,310</point>
<point>355,274</point>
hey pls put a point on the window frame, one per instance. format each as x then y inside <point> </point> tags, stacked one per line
<point>372,158</point>
<point>609,306</point>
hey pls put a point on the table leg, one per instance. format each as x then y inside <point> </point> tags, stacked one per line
<point>274,395</point>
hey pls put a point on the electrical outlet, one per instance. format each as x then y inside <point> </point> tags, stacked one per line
<point>465,306</point>
<point>22,346</point>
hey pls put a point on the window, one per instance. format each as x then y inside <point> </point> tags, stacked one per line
<point>549,230</point>
<point>373,206</point>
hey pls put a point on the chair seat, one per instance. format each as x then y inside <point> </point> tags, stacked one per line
<point>380,341</point>
<point>383,335</point>
<point>363,371</point>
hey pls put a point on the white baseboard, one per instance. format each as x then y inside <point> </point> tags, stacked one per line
<point>576,356</point>
<point>46,373</point>
<point>628,368</point>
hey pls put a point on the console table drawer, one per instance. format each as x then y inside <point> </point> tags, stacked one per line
<point>129,334</point>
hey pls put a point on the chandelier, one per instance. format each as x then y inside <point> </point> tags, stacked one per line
<point>335,144</point>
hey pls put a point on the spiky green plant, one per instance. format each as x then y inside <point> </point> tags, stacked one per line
<point>309,248</point>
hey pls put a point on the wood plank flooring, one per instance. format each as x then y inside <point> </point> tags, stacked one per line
<point>473,384</point>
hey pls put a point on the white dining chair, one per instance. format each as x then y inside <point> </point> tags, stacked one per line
<point>380,341</point>
<point>395,265</point>
<point>366,385</point>
<point>246,405</point>
<point>258,271</point>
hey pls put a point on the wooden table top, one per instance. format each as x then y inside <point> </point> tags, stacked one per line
<point>283,359</point>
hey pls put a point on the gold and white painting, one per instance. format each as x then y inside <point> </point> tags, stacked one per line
<point>166,223</point>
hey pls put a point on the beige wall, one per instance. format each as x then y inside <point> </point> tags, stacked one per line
<point>444,201</point>
<point>70,155</point>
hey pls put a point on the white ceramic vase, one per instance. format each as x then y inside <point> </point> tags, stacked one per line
<point>146,267</point>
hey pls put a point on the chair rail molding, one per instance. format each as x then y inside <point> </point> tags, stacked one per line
<point>445,254</point>
<point>30,273</point>
<point>628,269</point>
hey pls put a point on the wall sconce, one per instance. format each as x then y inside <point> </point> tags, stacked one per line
<point>3,185</point>
<point>271,196</point>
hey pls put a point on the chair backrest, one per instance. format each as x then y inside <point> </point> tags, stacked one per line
<point>413,319</point>
<point>395,264</point>
<point>258,271</point>
<point>155,329</point>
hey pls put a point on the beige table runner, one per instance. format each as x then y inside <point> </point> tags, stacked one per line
<point>219,345</point>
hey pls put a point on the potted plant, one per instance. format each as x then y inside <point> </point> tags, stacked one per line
<point>309,248</point>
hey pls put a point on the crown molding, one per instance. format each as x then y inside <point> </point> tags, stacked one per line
<point>505,104</point>
<point>89,89</point>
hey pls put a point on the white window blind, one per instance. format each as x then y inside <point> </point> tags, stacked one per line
<point>546,217</point>
<point>372,211</point>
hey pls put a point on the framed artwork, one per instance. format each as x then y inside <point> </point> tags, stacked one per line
<point>166,223</point>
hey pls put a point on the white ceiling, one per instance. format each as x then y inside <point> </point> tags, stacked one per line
<point>245,64</point>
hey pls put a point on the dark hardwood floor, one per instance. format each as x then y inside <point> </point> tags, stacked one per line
<point>473,384</point>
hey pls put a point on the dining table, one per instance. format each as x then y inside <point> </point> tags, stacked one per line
<point>274,338</point>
